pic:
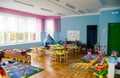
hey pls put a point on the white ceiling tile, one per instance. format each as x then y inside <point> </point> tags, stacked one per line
<point>59,6</point>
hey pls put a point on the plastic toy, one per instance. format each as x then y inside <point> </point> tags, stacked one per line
<point>117,66</point>
<point>101,69</point>
<point>101,55</point>
<point>114,53</point>
<point>10,60</point>
<point>3,64</point>
<point>1,55</point>
<point>15,51</point>
<point>89,55</point>
<point>2,72</point>
<point>113,58</point>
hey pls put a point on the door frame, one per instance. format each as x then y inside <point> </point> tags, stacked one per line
<point>96,33</point>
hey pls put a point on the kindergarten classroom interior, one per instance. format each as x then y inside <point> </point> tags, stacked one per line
<point>59,39</point>
<point>53,69</point>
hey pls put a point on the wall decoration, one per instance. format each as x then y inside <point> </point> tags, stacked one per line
<point>73,35</point>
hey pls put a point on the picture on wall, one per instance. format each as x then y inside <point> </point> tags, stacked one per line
<point>73,35</point>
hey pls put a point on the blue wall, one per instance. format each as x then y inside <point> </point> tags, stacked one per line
<point>78,23</point>
<point>105,18</point>
<point>43,36</point>
<point>25,46</point>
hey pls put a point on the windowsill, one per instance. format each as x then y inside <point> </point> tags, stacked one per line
<point>19,43</point>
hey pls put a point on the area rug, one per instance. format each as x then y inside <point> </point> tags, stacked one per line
<point>20,70</point>
<point>85,64</point>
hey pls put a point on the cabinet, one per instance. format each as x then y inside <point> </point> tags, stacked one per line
<point>72,42</point>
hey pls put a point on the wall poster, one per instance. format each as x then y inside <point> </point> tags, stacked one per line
<point>73,35</point>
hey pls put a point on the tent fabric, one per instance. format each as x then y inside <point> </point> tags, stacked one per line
<point>48,40</point>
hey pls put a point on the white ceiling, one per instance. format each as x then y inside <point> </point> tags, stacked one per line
<point>60,7</point>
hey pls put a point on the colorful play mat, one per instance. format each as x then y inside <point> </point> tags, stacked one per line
<point>85,64</point>
<point>20,70</point>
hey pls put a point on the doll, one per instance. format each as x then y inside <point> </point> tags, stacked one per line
<point>89,55</point>
<point>101,54</point>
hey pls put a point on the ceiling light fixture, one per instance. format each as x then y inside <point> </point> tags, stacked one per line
<point>88,10</point>
<point>61,14</point>
<point>63,6</point>
<point>58,0</point>
<point>46,10</point>
<point>69,6</point>
<point>23,3</point>
<point>81,11</point>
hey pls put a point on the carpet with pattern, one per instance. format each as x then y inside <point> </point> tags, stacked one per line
<point>20,70</point>
<point>85,64</point>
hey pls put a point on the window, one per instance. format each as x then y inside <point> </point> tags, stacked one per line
<point>2,27</point>
<point>21,36</point>
<point>30,36</point>
<point>21,24</point>
<point>16,28</point>
<point>49,27</point>
<point>1,37</point>
<point>11,37</point>
<point>34,36</point>
<point>11,23</point>
<point>31,24</point>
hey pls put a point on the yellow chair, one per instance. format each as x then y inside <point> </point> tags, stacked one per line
<point>53,56</point>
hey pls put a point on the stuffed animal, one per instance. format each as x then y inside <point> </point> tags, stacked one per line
<point>114,53</point>
<point>89,54</point>
<point>113,58</point>
<point>101,54</point>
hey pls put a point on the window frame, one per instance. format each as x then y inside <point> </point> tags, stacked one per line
<point>51,31</point>
<point>17,41</point>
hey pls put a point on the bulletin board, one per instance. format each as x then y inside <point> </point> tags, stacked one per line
<point>73,35</point>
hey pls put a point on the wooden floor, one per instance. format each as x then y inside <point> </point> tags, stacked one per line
<point>59,70</point>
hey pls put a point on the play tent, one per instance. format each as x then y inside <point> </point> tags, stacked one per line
<point>48,40</point>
